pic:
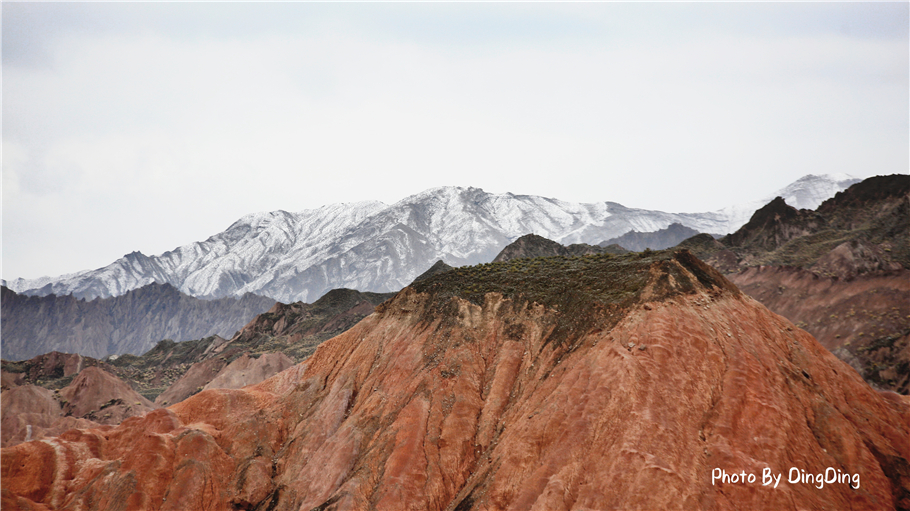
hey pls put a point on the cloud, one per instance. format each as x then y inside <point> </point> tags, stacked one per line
<point>126,132</point>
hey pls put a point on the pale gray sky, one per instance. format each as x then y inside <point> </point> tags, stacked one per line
<point>147,126</point>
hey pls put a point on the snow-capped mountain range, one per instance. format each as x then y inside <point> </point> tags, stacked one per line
<point>371,246</point>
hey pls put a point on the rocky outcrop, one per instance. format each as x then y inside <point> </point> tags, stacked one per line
<point>438,267</point>
<point>774,225</point>
<point>629,382</point>
<point>840,272</point>
<point>94,397</point>
<point>53,367</point>
<point>248,370</point>
<point>297,328</point>
<point>532,245</point>
<point>863,229</point>
<point>100,396</point>
<point>657,240</point>
<point>131,323</point>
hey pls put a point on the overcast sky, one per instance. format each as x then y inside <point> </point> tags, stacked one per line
<point>149,126</point>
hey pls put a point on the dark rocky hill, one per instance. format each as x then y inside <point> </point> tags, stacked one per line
<point>657,240</point>
<point>842,272</point>
<point>130,323</point>
<point>438,267</point>
<point>863,229</point>
<point>532,245</point>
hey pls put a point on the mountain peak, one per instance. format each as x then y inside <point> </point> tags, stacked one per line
<point>579,286</point>
<point>874,189</point>
<point>773,225</point>
<point>438,267</point>
<point>373,247</point>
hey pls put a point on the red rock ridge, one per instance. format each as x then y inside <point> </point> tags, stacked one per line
<point>481,408</point>
<point>247,370</point>
<point>94,397</point>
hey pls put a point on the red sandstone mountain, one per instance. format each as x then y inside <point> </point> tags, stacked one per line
<point>94,397</point>
<point>595,382</point>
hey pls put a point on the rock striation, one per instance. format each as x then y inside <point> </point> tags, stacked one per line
<point>595,382</point>
<point>93,398</point>
<point>131,323</point>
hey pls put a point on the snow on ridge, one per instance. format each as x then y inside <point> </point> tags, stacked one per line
<point>373,246</point>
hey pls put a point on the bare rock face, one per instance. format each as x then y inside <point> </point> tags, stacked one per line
<point>28,410</point>
<point>863,320</point>
<point>100,396</point>
<point>247,370</point>
<point>94,397</point>
<point>628,383</point>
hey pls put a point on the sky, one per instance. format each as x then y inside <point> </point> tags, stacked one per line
<point>147,126</point>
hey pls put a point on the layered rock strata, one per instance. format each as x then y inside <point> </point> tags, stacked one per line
<point>594,382</point>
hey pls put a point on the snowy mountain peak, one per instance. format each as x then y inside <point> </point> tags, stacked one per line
<point>808,192</point>
<point>371,246</point>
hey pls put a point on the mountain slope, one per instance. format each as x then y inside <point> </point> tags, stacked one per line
<point>842,272</point>
<point>807,192</point>
<point>658,240</point>
<point>373,247</point>
<point>130,323</point>
<point>483,388</point>
<point>861,229</point>
<point>172,371</point>
<point>93,398</point>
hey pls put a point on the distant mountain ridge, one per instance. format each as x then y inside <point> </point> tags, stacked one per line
<point>171,371</point>
<point>130,323</point>
<point>532,245</point>
<point>658,240</point>
<point>371,246</point>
